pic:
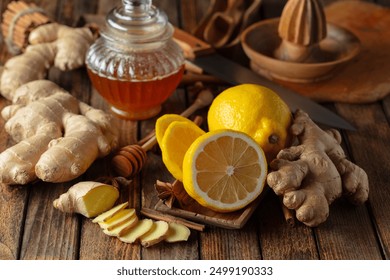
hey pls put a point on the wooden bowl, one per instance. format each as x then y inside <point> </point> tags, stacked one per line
<point>261,40</point>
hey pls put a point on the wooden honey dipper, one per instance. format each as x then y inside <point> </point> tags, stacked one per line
<point>130,159</point>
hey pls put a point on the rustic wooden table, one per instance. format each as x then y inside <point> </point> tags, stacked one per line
<point>30,228</point>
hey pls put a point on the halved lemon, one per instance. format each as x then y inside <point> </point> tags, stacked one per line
<point>224,170</point>
<point>177,138</point>
<point>164,121</point>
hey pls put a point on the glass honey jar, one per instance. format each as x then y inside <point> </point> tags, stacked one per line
<point>135,65</point>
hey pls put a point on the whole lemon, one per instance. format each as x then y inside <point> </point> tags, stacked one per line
<point>256,111</point>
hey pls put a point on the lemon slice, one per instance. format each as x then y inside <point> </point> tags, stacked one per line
<point>164,121</point>
<point>224,170</point>
<point>177,138</point>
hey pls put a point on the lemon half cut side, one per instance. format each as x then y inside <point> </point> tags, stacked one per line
<point>224,170</point>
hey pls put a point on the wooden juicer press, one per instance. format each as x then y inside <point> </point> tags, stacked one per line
<point>300,46</point>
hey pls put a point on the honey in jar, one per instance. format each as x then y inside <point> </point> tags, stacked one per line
<point>135,65</point>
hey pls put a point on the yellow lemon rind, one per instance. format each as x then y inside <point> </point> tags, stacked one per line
<point>178,133</point>
<point>163,122</point>
<point>255,110</point>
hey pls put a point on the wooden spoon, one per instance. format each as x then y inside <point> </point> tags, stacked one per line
<point>223,24</point>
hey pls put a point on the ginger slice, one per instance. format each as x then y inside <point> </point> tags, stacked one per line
<point>87,198</point>
<point>156,234</point>
<point>177,232</point>
<point>108,214</point>
<point>135,233</point>
<point>123,228</point>
<point>118,219</point>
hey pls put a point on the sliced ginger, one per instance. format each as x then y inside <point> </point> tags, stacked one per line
<point>124,224</point>
<point>124,228</point>
<point>177,232</point>
<point>88,198</point>
<point>118,219</point>
<point>156,234</point>
<point>110,213</point>
<point>140,229</point>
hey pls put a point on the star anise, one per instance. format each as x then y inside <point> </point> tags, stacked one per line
<point>174,192</point>
<point>165,192</point>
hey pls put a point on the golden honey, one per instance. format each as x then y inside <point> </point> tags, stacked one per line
<point>136,100</point>
<point>135,65</point>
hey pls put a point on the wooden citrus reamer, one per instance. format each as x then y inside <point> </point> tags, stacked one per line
<point>130,159</point>
<point>302,27</point>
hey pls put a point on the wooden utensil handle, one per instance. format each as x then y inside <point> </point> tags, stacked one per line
<point>191,45</point>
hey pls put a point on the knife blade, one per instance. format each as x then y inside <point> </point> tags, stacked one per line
<point>204,56</point>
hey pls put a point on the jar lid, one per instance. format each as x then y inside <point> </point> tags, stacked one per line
<point>137,21</point>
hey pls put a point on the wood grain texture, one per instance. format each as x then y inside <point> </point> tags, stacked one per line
<point>104,6</point>
<point>188,8</point>
<point>279,241</point>
<point>371,151</point>
<point>48,233</point>
<point>95,245</point>
<point>219,243</point>
<point>347,227</point>
<point>13,203</point>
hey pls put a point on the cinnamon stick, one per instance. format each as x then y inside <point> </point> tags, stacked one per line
<point>288,214</point>
<point>156,215</point>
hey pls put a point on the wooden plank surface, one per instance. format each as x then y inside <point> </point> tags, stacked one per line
<point>12,208</point>
<point>280,241</point>
<point>371,150</point>
<point>30,228</point>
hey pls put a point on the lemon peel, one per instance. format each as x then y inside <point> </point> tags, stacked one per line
<point>177,138</point>
<point>256,111</point>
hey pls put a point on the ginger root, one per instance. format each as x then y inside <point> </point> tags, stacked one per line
<point>311,175</point>
<point>71,44</point>
<point>71,155</point>
<point>57,137</point>
<point>59,143</point>
<point>50,44</point>
<point>17,162</point>
<point>87,198</point>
